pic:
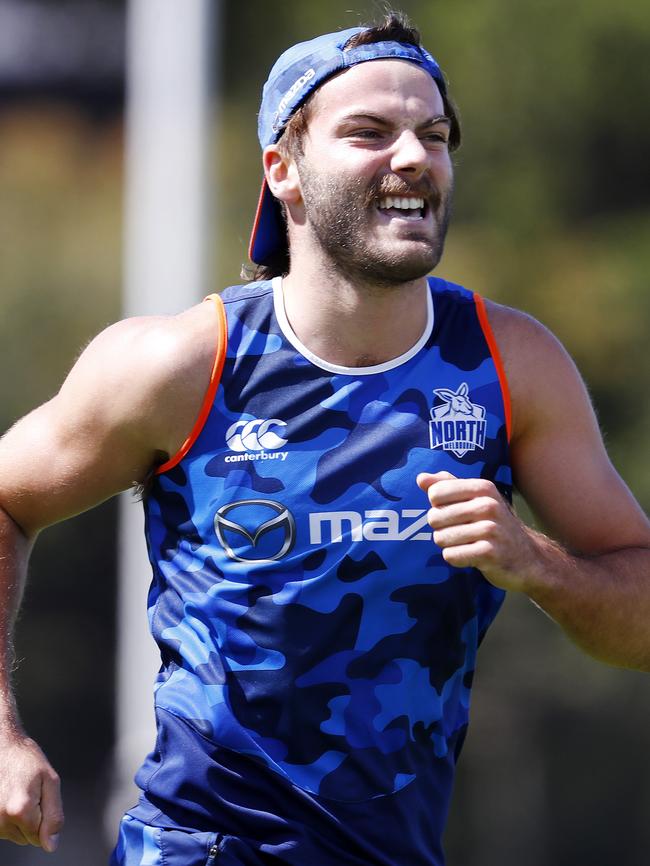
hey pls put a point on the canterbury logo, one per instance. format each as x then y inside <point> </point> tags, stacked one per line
<point>255,435</point>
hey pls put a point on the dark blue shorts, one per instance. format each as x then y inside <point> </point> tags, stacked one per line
<point>143,845</point>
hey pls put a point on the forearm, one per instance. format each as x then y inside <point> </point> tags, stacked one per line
<point>14,555</point>
<point>31,811</point>
<point>602,602</point>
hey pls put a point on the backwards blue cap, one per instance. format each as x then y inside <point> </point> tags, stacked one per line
<point>296,74</point>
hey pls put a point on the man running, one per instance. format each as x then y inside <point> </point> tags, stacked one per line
<point>328,455</point>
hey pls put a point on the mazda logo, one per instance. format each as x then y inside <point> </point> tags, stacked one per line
<point>252,526</point>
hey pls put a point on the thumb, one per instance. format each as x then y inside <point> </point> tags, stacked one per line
<point>426,479</point>
<point>51,812</point>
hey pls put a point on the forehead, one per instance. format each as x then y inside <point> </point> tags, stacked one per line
<point>379,85</point>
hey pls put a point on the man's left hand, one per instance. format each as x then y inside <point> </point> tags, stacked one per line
<point>476,528</point>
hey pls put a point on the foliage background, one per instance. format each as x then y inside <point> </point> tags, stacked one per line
<point>552,215</point>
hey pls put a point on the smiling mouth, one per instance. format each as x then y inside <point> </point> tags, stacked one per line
<point>403,207</point>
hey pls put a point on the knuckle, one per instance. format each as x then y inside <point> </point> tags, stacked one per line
<point>444,484</point>
<point>53,776</point>
<point>433,518</point>
<point>454,557</point>
<point>487,506</point>
<point>440,537</point>
<point>485,549</point>
<point>17,808</point>
<point>489,529</point>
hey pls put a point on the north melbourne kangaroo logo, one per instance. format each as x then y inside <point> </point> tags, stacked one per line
<point>457,425</point>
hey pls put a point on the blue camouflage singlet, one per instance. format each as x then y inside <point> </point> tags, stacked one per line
<point>317,651</point>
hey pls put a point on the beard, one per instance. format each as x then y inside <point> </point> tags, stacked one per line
<point>340,213</point>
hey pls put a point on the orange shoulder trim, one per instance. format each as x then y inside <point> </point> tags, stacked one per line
<point>496,357</point>
<point>208,400</point>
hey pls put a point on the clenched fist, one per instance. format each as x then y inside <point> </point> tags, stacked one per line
<point>31,812</point>
<point>476,528</point>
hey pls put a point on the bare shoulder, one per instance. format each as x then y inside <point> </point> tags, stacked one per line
<point>520,336</point>
<point>160,347</point>
<point>156,368</point>
<point>557,453</point>
<point>536,364</point>
<point>128,403</point>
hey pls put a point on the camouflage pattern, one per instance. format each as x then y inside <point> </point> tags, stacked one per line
<point>317,651</point>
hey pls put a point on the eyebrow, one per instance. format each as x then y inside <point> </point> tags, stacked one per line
<point>375,118</point>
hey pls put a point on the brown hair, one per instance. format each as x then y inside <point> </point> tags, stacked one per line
<point>394,28</point>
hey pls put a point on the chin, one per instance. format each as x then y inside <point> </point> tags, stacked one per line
<point>406,267</point>
<point>397,271</point>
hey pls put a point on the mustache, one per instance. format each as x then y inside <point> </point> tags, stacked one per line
<point>395,186</point>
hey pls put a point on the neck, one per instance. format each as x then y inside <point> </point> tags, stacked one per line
<point>351,324</point>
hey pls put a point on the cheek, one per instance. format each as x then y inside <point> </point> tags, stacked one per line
<point>443,171</point>
<point>343,159</point>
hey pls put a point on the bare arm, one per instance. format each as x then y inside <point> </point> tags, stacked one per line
<point>128,404</point>
<point>594,580</point>
<point>31,811</point>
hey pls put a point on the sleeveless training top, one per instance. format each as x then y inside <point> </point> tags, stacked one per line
<point>317,651</point>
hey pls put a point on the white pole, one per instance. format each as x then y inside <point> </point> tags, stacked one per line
<point>167,154</point>
<point>166,270</point>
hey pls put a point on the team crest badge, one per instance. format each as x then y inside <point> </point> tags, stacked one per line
<point>457,424</point>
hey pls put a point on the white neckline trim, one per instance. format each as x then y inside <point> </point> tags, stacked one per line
<point>283,321</point>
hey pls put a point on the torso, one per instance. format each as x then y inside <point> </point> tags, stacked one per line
<point>307,622</point>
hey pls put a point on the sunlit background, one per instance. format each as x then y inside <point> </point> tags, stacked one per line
<point>552,215</point>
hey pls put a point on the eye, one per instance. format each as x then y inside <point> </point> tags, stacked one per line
<point>366,133</point>
<point>437,137</point>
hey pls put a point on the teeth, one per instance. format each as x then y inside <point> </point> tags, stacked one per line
<point>402,203</point>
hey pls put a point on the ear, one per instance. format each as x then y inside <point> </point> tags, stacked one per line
<point>281,175</point>
<point>444,394</point>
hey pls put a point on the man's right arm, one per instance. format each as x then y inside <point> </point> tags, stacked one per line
<point>30,801</point>
<point>127,404</point>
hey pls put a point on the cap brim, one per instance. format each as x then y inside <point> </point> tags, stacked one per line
<point>269,235</point>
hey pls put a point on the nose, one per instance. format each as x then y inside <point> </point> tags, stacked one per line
<point>409,155</point>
